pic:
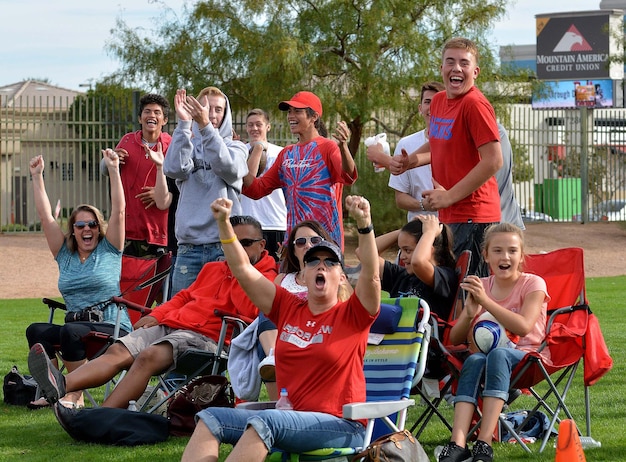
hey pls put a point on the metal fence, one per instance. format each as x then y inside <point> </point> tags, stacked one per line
<point>568,164</point>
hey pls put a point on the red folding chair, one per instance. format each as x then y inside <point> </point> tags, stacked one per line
<point>572,335</point>
<point>144,280</point>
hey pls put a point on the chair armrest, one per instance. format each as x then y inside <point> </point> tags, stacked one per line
<point>53,304</point>
<point>144,310</point>
<point>257,405</point>
<point>372,410</point>
<point>232,317</point>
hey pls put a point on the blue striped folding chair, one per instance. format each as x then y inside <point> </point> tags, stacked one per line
<point>394,362</point>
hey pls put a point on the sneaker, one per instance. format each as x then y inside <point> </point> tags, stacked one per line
<point>48,377</point>
<point>482,452</point>
<point>65,416</point>
<point>452,452</point>
<point>267,368</point>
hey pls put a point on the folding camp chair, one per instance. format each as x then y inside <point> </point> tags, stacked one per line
<point>394,361</point>
<point>95,342</point>
<point>572,335</point>
<point>192,362</point>
<point>439,355</point>
<point>144,280</point>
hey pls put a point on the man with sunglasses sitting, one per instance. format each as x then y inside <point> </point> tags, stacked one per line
<point>186,321</point>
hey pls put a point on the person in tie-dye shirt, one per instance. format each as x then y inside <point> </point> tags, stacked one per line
<point>311,172</point>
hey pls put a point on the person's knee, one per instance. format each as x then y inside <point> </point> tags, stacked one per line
<point>155,358</point>
<point>73,331</point>
<point>117,354</point>
<point>474,360</point>
<point>33,334</point>
<point>262,430</point>
<point>30,333</point>
<point>498,356</point>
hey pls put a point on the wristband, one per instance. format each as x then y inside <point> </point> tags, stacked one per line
<point>230,240</point>
<point>422,205</point>
<point>368,229</point>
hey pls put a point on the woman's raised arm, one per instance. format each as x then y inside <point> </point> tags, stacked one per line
<point>116,230</point>
<point>52,230</point>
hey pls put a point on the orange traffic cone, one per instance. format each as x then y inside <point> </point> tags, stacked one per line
<point>568,446</point>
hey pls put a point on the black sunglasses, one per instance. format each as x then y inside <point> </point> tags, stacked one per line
<point>248,242</point>
<point>81,224</point>
<point>301,241</point>
<point>329,262</point>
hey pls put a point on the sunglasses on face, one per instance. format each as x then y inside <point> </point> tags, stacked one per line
<point>81,224</point>
<point>248,242</point>
<point>313,240</point>
<point>329,262</point>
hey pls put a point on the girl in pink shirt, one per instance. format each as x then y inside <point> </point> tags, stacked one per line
<point>518,301</point>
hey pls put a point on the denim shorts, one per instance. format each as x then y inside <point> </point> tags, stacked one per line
<point>189,261</point>
<point>496,367</point>
<point>291,431</point>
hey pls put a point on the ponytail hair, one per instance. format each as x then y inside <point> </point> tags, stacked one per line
<point>319,123</point>
<point>442,244</point>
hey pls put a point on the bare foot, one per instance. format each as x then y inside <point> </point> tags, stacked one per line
<point>38,404</point>
<point>73,400</point>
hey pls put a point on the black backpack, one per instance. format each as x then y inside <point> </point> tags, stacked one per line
<point>19,390</point>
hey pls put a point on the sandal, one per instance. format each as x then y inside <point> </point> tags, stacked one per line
<point>38,404</point>
<point>71,404</point>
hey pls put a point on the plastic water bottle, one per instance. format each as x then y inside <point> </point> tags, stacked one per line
<point>381,139</point>
<point>283,402</point>
<point>132,405</point>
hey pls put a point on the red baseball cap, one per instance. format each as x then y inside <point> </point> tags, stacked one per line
<point>302,100</point>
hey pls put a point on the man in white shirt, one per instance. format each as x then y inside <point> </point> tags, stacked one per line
<point>270,210</point>
<point>409,185</point>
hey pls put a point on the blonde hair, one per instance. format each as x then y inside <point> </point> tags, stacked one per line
<point>102,225</point>
<point>211,91</point>
<point>461,44</point>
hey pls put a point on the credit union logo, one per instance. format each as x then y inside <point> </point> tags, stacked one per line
<point>572,40</point>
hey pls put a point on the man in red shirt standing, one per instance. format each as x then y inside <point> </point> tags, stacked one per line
<point>464,152</point>
<point>148,199</point>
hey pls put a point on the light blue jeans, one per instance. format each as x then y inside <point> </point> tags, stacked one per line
<point>496,367</point>
<point>291,431</point>
<point>190,260</point>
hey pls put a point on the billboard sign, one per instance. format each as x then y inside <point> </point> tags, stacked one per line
<point>578,45</point>
<point>570,94</point>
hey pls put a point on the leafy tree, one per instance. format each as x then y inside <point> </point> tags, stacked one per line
<point>359,56</point>
<point>100,118</point>
<point>362,57</point>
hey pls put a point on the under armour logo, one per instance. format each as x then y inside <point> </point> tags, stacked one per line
<point>310,323</point>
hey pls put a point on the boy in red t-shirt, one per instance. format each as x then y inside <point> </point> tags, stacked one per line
<point>464,152</point>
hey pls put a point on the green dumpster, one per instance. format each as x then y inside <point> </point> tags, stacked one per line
<point>561,197</point>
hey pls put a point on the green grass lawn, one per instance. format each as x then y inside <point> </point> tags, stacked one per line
<point>36,436</point>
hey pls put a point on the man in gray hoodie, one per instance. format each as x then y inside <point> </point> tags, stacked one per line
<point>206,163</point>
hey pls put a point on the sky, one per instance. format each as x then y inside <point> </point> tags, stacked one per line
<point>64,42</point>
